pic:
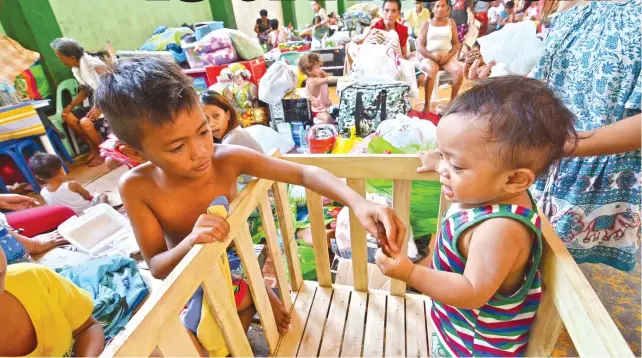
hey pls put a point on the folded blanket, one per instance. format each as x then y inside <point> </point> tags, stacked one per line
<point>115,285</point>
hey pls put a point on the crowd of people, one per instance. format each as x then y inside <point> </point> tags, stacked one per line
<point>565,140</point>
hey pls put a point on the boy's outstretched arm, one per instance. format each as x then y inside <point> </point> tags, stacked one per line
<point>89,339</point>
<point>149,233</point>
<point>326,184</point>
<point>492,254</point>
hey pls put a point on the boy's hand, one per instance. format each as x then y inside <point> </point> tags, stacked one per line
<point>429,160</point>
<point>208,229</point>
<point>398,267</point>
<point>382,223</point>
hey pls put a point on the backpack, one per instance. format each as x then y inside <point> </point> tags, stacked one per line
<point>366,106</point>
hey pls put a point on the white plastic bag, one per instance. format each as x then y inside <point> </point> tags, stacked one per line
<point>404,131</point>
<point>515,45</point>
<point>269,139</point>
<point>377,60</point>
<point>279,79</point>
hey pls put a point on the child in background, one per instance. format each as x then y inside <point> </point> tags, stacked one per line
<point>276,36</point>
<point>317,87</point>
<point>494,140</point>
<point>166,197</point>
<point>48,168</point>
<point>496,8</point>
<point>507,16</point>
<point>44,314</point>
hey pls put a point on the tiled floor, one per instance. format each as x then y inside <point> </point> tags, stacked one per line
<point>620,292</point>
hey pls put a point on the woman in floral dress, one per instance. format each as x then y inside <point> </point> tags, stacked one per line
<point>592,60</point>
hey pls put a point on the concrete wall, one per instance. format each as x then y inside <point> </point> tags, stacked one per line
<point>126,23</point>
<point>303,13</point>
<point>2,30</point>
<point>246,13</point>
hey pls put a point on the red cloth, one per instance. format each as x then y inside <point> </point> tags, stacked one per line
<point>39,220</point>
<point>483,18</point>
<point>402,31</point>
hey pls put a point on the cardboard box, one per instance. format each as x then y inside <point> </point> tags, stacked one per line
<point>257,68</point>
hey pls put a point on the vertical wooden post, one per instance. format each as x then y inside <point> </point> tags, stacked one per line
<point>319,238</point>
<point>401,203</point>
<point>287,233</point>
<point>358,242</point>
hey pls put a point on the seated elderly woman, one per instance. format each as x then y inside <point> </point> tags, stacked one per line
<point>87,122</point>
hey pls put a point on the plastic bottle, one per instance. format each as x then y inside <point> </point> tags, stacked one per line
<point>303,138</point>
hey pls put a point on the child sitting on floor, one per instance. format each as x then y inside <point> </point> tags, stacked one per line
<point>493,141</point>
<point>48,168</point>
<point>276,35</point>
<point>166,198</point>
<point>317,87</point>
<point>44,314</point>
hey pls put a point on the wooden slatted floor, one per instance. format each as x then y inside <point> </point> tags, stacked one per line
<point>333,322</point>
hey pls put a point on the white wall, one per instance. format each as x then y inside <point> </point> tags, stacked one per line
<point>246,13</point>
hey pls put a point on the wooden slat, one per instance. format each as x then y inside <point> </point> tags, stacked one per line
<point>331,344</point>
<point>355,325</point>
<point>224,311</point>
<point>380,166</point>
<point>344,269</point>
<point>245,249</point>
<point>358,242</point>
<point>396,327</point>
<point>401,203</point>
<point>176,342</point>
<point>378,281</point>
<point>272,240</point>
<point>416,335</point>
<point>319,238</point>
<point>588,323</point>
<point>287,233</point>
<point>546,329</point>
<point>290,341</point>
<point>316,320</point>
<point>373,342</point>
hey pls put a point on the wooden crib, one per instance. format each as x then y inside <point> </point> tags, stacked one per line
<point>337,320</point>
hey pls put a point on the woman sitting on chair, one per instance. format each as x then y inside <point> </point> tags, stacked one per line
<point>87,122</point>
<point>437,46</point>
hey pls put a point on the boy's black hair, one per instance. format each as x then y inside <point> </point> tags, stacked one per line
<point>274,24</point>
<point>263,12</point>
<point>45,166</point>
<point>398,2</point>
<point>532,126</point>
<point>143,90</point>
<point>510,4</point>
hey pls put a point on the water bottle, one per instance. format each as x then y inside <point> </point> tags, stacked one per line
<point>303,138</point>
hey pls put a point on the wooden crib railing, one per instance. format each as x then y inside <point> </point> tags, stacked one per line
<point>568,298</point>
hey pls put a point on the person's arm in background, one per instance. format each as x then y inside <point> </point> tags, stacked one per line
<point>619,137</point>
<point>78,189</point>
<point>324,18</point>
<point>256,28</point>
<point>89,339</point>
<point>82,95</point>
<point>40,243</point>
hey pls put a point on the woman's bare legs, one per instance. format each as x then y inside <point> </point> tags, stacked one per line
<point>454,67</point>
<point>430,69</point>
<point>94,137</point>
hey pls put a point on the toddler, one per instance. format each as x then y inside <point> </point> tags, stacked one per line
<point>48,168</point>
<point>317,87</point>
<point>493,141</point>
<point>276,35</point>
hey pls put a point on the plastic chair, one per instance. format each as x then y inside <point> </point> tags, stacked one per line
<point>70,85</point>
<point>14,148</point>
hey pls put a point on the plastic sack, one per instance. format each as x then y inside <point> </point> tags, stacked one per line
<point>377,60</point>
<point>425,196</point>
<point>279,79</point>
<point>410,135</point>
<point>345,145</point>
<point>245,46</point>
<point>515,45</point>
<point>160,39</point>
<point>322,138</point>
<point>269,139</point>
<point>213,41</point>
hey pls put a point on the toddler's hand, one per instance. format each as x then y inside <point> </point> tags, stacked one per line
<point>429,160</point>
<point>382,223</point>
<point>208,229</point>
<point>398,267</point>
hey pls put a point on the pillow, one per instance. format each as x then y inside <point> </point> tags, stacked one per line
<point>222,56</point>
<point>246,48</point>
<point>371,9</point>
<point>215,40</point>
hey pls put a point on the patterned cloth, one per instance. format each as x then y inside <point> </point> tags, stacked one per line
<point>14,59</point>
<point>500,327</point>
<point>592,61</point>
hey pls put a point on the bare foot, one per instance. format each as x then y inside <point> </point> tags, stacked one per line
<point>95,162</point>
<point>281,315</point>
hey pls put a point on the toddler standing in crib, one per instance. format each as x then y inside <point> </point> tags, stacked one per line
<point>493,141</point>
<point>317,87</point>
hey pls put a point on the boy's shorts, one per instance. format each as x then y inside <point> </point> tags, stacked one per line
<point>191,315</point>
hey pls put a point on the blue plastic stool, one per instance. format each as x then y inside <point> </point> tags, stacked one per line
<point>59,148</point>
<point>14,149</point>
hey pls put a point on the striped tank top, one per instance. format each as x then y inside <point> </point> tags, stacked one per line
<point>501,326</point>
